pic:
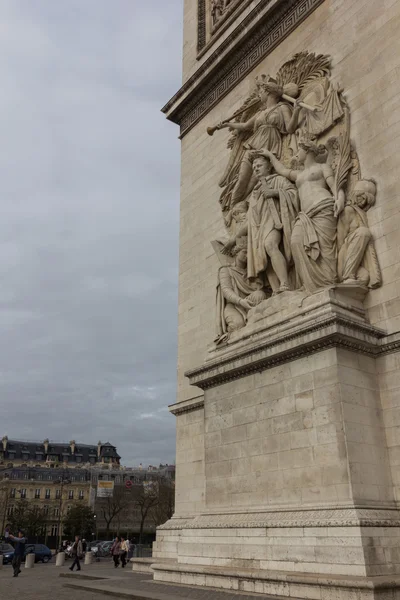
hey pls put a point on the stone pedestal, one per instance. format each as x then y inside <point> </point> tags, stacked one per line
<point>88,558</point>
<point>29,561</point>
<point>60,559</point>
<point>298,494</point>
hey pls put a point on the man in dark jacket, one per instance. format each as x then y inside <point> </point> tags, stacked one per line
<point>19,551</point>
<point>77,552</point>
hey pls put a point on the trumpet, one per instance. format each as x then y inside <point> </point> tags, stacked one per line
<point>212,130</point>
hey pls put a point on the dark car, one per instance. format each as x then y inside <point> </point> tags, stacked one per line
<point>42,553</point>
<point>7,551</point>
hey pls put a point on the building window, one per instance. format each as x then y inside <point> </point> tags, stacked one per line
<point>81,494</point>
<point>54,529</point>
<point>47,495</point>
<point>58,494</point>
<point>46,510</point>
<point>23,493</point>
<point>40,476</point>
<point>71,495</point>
<point>37,493</point>
<point>12,493</point>
<point>25,475</point>
<point>56,512</point>
<point>10,511</point>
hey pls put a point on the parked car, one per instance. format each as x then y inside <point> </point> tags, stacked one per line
<point>102,549</point>
<point>8,552</point>
<point>42,553</point>
<point>93,544</point>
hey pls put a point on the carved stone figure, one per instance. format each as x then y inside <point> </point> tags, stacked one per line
<point>236,295</point>
<point>273,207</point>
<point>313,238</point>
<point>219,8</point>
<point>357,260</point>
<point>264,130</point>
<point>305,223</point>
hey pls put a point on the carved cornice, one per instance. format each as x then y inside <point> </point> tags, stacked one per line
<point>220,73</point>
<point>187,406</point>
<point>339,517</point>
<point>334,331</point>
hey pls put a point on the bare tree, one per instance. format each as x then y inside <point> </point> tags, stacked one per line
<point>146,498</point>
<point>112,506</point>
<point>164,509</point>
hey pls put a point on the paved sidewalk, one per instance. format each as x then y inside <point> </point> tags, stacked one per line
<point>135,586</point>
<point>40,583</point>
<point>43,582</point>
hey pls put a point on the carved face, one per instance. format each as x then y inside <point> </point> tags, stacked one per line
<point>261,167</point>
<point>241,257</point>
<point>360,198</point>
<point>301,155</point>
<point>239,212</point>
<point>364,194</point>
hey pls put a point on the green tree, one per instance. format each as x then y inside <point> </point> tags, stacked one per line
<point>79,521</point>
<point>28,517</point>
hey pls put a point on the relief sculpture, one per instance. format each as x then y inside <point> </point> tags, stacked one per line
<point>292,194</point>
<point>219,8</point>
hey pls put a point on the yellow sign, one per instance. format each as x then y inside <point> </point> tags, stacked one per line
<point>105,489</point>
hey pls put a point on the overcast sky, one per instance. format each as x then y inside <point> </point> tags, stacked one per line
<point>89,181</point>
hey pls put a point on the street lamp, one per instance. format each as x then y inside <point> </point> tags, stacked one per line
<point>63,480</point>
<point>95,525</point>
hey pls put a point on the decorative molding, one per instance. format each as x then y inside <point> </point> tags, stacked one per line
<point>193,101</point>
<point>341,517</point>
<point>187,406</point>
<point>334,331</point>
<point>223,25</point>
<point>201,24</point>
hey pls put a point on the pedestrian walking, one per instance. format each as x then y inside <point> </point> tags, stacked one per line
<point>131,549</point>
<point>124,551</point>
<point>115,551</point>
<point>19,551</point>
<point>76,553</point>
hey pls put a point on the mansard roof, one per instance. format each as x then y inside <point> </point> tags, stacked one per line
<point>21,450</point>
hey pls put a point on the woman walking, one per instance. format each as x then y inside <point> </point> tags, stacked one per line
<point>124,551</point>
<point>115,551</point>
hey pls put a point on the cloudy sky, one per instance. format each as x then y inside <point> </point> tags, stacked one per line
<point>89,192</point>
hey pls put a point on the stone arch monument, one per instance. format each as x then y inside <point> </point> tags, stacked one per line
<point>288,407</point>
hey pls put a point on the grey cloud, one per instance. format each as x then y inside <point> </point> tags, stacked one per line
<point>89,229</point>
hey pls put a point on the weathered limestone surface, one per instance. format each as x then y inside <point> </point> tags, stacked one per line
<point>288,434</point>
